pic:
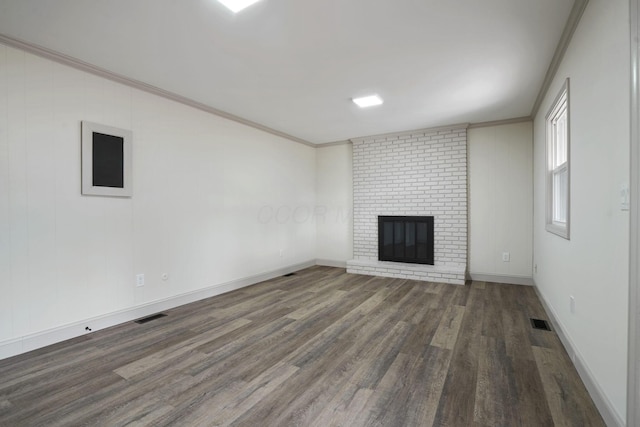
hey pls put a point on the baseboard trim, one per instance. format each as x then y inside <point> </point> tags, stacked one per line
<point>331,263</point>
<point>499,278</point>
<point>37,340</point>
<point>604,405</point>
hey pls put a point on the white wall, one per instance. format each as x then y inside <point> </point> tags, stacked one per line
<point>501,202</point>
<point>334,198</point>
<point>593,265</point>
<point>205,194</point>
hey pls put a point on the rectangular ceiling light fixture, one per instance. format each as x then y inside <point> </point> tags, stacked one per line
<point>237,5</point>
<point>368,101</point>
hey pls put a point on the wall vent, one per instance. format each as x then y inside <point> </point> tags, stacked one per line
<point>150,318</point>
<point>540,324</point>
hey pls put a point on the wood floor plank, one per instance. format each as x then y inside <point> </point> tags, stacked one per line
<point>349,398</point>
<point>395,400</point>
<point>496,394</point>
<point>99,399</point>
<point>532,411</point>
<point>5,406</point>
<point>134,411</point>
<point>19,379</point>
<point>422,335</point>
<point>428,386</point>
<point>567,398</point>
<point>447,332</point>
<point>167,354</point>
<point>354,414</point>
<point>318,348</point>
<point>492,312</point>
<point>256,390</point>
<point>229,403</point>
<point>25,406</point>
<point>516,336</point>
<point>151,418</point>
<point>374,301</point>
<point>317,306</point>
<point>35,359</point>
<point>457,402</point>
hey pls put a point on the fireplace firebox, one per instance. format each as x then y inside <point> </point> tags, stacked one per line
<point>405,239</point>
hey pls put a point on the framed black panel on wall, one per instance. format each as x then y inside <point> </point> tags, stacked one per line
<point>106,160</point>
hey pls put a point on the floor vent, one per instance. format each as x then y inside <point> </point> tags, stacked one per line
<point>289,274</point>
<point>150,318</point>
<point>540,324</point>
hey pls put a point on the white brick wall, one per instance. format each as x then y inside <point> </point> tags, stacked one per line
<point>423,173</point>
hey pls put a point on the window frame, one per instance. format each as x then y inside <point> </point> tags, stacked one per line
<point>560,104</point>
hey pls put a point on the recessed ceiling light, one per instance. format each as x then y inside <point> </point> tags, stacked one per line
<point>237,5</point>
<point>368,101</point>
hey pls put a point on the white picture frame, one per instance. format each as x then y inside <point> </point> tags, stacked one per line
<point>109,172</point>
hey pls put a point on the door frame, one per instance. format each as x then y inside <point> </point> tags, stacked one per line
<point>633,372</point>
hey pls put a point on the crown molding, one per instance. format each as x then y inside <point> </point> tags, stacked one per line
<point>136,84</point>
<point>333,144</point>
<point>501,122</point>
<point>572,23</point>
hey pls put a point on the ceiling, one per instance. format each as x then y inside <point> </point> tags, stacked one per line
<point>294,65</point>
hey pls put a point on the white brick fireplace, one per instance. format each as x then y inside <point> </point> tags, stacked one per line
<point>412,174</point>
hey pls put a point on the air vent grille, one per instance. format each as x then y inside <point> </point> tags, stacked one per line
<point>540,324</point>
<point>150,318</point>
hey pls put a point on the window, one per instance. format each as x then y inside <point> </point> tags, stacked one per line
<point>558,164</point>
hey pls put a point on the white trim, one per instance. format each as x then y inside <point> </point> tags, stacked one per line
<point>500,278</point>
<point>600,399</point>
<point>572,23</point>
<point>501,122</point>
<point>331,263</point>
<point>30,342</point>
<point>136,84</point>
<point>633,360</point>
<point>333,144</point>
<point>561,102</point>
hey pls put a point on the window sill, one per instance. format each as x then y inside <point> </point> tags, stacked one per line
<point>558,230</point>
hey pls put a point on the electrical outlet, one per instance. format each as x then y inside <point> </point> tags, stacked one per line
<point>139,279</point>
<point>535,269</point>
<point>572,304</point>
<point>281,252</point>
<point>506,257</point>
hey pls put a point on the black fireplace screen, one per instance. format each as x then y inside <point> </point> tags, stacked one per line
<point>405,239</point>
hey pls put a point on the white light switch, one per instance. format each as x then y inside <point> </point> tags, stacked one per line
<point>625,195</point>
<point>139,279</point>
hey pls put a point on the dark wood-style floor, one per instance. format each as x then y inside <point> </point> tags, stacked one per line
<point>320,348</point>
